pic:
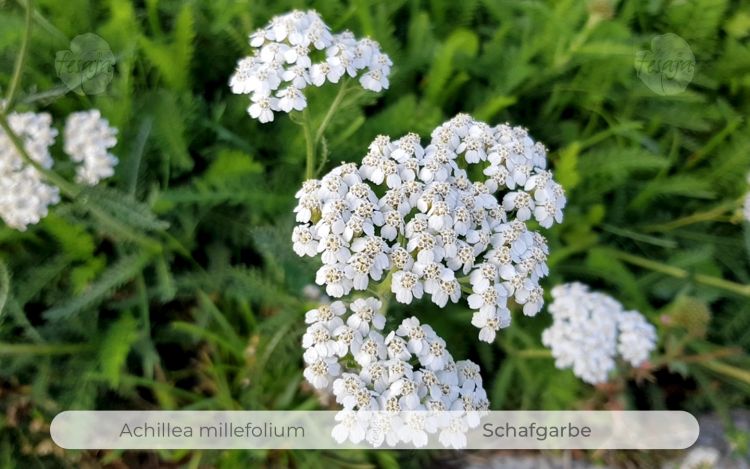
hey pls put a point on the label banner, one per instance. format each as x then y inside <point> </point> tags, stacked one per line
<point>369,429</point>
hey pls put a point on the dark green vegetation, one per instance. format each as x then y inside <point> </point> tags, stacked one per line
<point>176,287</point>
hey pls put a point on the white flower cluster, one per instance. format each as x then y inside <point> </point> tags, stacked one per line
<point>437,220</point>
<point>88,138</point>
<point>589,329</point>
<point>406,370</point>
<point>24,194</point>
<point>282,66</point>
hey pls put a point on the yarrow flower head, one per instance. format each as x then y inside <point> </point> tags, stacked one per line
<point>590,329</point>
<point>284,62</point>
<point>88,138</point>
<point>25,197</point>
<point>437,220</point>
<point>380,378</point>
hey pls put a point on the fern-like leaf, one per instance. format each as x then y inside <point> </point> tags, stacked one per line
<point>116,346</point>
<point>122,208</point>
<point>115,276</point>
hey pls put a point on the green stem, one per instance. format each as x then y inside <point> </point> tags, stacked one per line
<point>383,291</point>
<point>534,353</point>
<point>709,215</point>
<point>309,145</point>
<point>47,349</point>
<point>727,370</point>
<point>677,272</point>
<point>20,60</point>
<point>697,358</point>
<point>331,110</point>
<point>714,142</point>
<point>4,285</point>
<point>312,140</point>
<point>67,188</point>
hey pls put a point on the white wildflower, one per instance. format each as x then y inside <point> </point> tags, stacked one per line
<point>24,195</point>
<point>406,286</point>
<point>589,329</point>
<point>321,371</point>
<point>352,426</point>
<point>88,138</point>
<point>387,385</point>
<point>434,229</point>
<point>366,312</point>
<point>637,337</point>
<point>281,64</point>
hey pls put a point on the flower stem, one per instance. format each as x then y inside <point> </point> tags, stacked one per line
<point>331,110</point>
<point>727,370</point>
<point>313,140</point>
<point>677,272</point>
<point>42,349</point>
<point>534,353</point>
<point>309,145</point>
<point>20,60</point>
<point>384,290</point>
<point>709,215</point>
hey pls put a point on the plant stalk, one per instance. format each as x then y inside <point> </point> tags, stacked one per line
<point>677,272</point>
<point>309,145</point>
<point>20,60</point>
<point>331,110</point>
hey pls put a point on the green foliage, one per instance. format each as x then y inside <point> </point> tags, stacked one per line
<point>174,285</point>
<point>112,278</point>
<point>171,55</point>
<point>115,347</point>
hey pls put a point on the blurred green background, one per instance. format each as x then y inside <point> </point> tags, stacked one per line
<point>191,298</point>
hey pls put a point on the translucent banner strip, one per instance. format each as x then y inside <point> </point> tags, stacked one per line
<point>351,430</point>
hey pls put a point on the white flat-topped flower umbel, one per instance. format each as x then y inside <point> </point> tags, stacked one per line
<point>281,66</point>
<point>411,215</point>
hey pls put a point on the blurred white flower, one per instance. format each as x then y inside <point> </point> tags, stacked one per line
<point>590,328</point>
<point>637,337</point>
<point>281,64</point>
<point>433,230</point>
<point>24,195</point>
<point>88,138</point>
